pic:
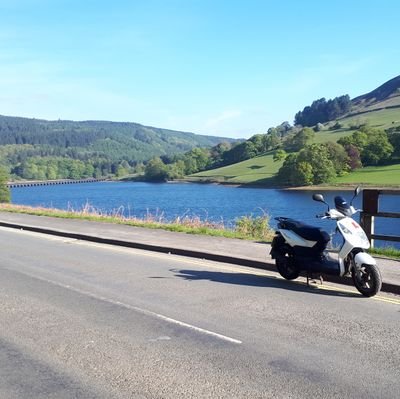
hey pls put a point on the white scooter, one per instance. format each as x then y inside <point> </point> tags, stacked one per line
<point>298,247</point>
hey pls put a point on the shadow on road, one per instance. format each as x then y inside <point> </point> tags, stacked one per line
<point>257,281</point>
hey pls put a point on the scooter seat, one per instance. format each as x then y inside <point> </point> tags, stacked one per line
<point>306,231</point>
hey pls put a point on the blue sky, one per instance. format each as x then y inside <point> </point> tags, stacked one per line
<point>229,68</point>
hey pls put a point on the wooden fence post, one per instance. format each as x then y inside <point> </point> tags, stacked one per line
<point>367,223</point>
<point>370,208</point>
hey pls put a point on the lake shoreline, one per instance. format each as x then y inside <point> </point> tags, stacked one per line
<point>349,187</point>
<point>343,187</point>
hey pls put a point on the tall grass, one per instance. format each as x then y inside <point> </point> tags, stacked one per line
<point>389,252</point>
<point>247,227</point>
<point>255,227</point>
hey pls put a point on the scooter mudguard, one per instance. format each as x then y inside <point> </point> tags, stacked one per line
<point>362,258</point>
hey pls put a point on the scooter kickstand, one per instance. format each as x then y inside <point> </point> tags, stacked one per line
<point>308,278</point>
<point>321,279</point>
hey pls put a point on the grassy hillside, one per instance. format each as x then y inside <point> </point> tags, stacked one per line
<point>389,89</point>
<point>259,170</point>
<point>383,119</point>
<point>262,169</point>
<point>376,176</point>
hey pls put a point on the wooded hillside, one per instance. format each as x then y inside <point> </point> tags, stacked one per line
<point>40,149</point>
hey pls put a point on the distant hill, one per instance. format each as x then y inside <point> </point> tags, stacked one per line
<point>322,111</point>
<point>113,140</point>
<point>388,90</point>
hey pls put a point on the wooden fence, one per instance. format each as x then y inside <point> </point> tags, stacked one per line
<point>371,211</point>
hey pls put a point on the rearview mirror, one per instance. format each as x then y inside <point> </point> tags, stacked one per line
<point>318,197</point>
<point>356,192</point>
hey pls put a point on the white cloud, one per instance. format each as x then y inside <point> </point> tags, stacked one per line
<point>221,118</point>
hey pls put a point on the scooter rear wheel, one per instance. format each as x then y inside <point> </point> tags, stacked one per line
<point>367,280</point>
<point>286,264</point>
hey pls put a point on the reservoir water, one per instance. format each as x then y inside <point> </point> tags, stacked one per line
<point>214,203</point>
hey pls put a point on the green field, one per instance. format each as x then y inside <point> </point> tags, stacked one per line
<point>383,119</point>
<point>377,176</point>
<point>259,170</point>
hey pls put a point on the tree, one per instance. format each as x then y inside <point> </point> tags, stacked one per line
<point>322,111</point>
<point>373,145</point>
<point>299,140</point>
<point>394,139</point>
<point>201,157</point>
<point>339,157</point>
<point>217,153</point>
<point>271,140</point>
<point>317,156</point>
<point>258,142</point>
<point>284,128</point>
<point>310,166</point>
<point>4,190</point>
<point>286,173</point>
<point>304,174</point>
<point>279,155</point>
<point>89,170</point>
<point>358,139</point>
<point>240,152</point>
<point>295,172</point>
<point>176,170</point>
<point>156,170</point>
<point>378,149</point>
<point>249,150</point>
<point>354,158</point>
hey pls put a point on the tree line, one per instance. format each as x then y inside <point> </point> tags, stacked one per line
<point>304,162</point>
<point>321,111</point>
<point>321,163</point>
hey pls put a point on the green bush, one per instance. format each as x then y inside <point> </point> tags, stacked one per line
<point>256,227</point>
<point>4,190</point>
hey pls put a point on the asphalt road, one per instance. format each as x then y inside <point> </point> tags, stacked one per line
<point>81,320</point>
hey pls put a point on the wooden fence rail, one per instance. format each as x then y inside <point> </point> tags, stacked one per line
<point>371,211</point>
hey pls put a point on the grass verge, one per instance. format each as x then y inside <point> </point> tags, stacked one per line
<point>388,252</point>
<point>247,227</point>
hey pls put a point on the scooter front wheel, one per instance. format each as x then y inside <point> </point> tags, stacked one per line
<point>367,279</point>
<point>286,264</point>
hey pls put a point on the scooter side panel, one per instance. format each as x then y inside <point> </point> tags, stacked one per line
<point>294,239</point>
<point>353,233</point>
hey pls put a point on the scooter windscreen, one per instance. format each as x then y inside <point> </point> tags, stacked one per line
<point>342,206</point>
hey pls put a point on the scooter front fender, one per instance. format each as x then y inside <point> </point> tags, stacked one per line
<point>362,258</point>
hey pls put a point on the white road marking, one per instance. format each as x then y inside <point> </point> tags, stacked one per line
<point>136,309</point>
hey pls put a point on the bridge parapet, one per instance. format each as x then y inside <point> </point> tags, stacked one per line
<point>51,182</point>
